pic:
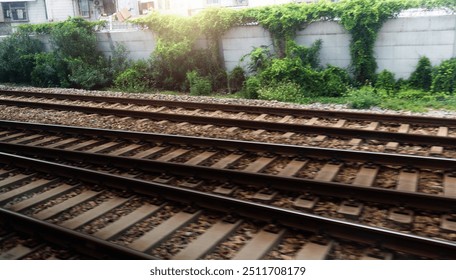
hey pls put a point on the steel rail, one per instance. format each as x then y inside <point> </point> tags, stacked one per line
<point>280,111</point>
<point>389,239</point>
<point>249,124</point>
<point>282,149</point>
<point>300,185</point>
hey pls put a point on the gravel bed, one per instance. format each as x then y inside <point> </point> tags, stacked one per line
<point>218,100</point>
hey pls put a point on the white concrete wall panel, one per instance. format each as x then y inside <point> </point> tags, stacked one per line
<point>240,41</point>
<point>401,42</point>
<point>139,44</point>
<point>335,42</point>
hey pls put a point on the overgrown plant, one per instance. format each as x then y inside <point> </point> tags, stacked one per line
<point>17,57</point>
<point>421,78</point>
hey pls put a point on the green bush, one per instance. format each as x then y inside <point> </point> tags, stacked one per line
<point>137,78</point>
<point>236,79</point>
<point>75,38</point>
<point>363,98</point>
<point>49,71</point>
<point>421,78</point>
<point>283,91</point>
<point>309,56</point>
<point>336,82</point>
<point>119,61</point>
<point>251,87</point>
<point>198,85</point>
<point>87,76</point>
<point>385,80</point>
<point>17,57</point>
<point>444,78</point>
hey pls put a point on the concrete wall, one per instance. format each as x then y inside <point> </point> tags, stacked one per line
<point>401,42</point>
<point>239,41</point>
<point>140,44</point>
<point>335,49</point>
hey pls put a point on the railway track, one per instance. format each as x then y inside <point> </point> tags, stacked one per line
<point>256,179</point>
<point>153,219</point>
<point>436,135</point>
<point>391,194</point>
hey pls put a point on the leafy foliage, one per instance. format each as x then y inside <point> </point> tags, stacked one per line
<point>136,78</point>
<point>198,85</point>
<point>17,57</point>
<point>421,78</point>
<point>444,79</point>
<point>363,98</point>
<point>236,79</point>
<point>386,80</point>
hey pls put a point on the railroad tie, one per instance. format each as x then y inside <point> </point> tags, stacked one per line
<point>35,185</point>
<point>17,252</point>
<point>448,223</point>
<point>43,141</point>
<point>366,176</point>
<point>292,168</point>
<point>63,142</point>
<point>12,136</point>
<point>206,242</point>
<point>14,180</point>
<point>40,198</point>
<point>200,158</point>
<point>153,237</point>
<point>227,161</point>
<point>150,152</point>
<point>65,205</point>
<point>104,147</point>
<point>328,172</point>
<point>438,150</point>
<point>315,250</point>
<point>259,164</point>
<point>449,184</point>
<point>82,145</point>
<point>350,209</point>
<point>124,222</point>
<point>392,146</point>
<point>375,254</point>
<point>26,139</point>
<point>125,150</point>
<point>305,202</point>
<point>94,213</point>
<point>407,180</point>
<point>174,154</point>
<point>259,245</point>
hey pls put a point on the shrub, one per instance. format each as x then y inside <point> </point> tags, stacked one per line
<point>386,81</point>
<point>236,79</point>
<point>336,82</point>
<point>49,71</point>
<point>363,98</point>
<point>444,78</point>
<point>421,78</point>
<point>17,57</point>
<point>251,87</point>
<point>198,85</point>
<point>309,56</point>
<point>87,76</point>
<point>119,60</point>
<point>283,91</point>
<point>137,78</point>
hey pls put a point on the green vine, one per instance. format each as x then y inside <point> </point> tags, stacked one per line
<point>283,21</point>
<point>363,19</point>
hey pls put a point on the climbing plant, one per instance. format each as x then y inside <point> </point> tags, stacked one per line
<point>283,21</point>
